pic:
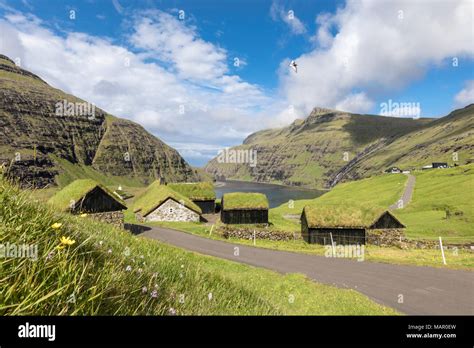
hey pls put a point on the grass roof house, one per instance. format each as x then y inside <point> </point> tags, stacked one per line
<point>347,224</point>
<point>161,203</point>
<point>88,196</point>
<point>201,193</point>
<point>244,208</point>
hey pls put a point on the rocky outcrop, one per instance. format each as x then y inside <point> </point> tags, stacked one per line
<point>35,129</point>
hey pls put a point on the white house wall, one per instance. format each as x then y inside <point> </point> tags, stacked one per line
<point>172,211</point>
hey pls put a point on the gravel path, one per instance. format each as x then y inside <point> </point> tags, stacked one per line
<point>407,194</point>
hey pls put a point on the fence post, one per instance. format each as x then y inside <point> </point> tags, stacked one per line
<point>253,237</point>
<point>442,250</point>
<point>210,232</point>
<point>332,244</point>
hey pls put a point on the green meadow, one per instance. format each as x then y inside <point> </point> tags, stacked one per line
<point>83,267</point>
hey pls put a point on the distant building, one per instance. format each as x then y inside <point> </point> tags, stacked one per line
<point>346,224</point>
<point>393,170</point>
<point>439,165</point>
<point>161,203</point>
<point>201,193</point>
<point>429,166</point>
<point>88,196</point>
<point>244,208</point>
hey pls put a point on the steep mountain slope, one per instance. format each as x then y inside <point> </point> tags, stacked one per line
<point>38,143</point>
<point>448,139</point>
<point>311,152</point>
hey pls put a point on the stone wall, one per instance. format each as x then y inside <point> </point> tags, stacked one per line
<point>111,217</point>
<point>260,233</point>
<point>396,237</point>
<point>172,211</point>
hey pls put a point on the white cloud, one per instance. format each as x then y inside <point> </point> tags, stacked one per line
<point>365,49</point>
<point>180,87</point>
<point>174,43</point>
<point>466,95</point>
<point>278,12</point>
<point>177,86</point>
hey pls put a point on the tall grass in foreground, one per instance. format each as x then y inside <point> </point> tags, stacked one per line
<point>105,272</point>
<point>108,271</point>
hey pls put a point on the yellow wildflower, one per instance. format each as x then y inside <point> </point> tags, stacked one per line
<point>56,225</point>
<point>67,241</point>
<point>83,215</point>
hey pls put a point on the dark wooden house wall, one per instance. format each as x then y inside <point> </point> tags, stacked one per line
<point>207,207</point>
<point>386,221</point>
<point>97,201</point>
<point>257,216</point>
<point>340,236</point>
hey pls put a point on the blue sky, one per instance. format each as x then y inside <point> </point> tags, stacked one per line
<point>180,81</point>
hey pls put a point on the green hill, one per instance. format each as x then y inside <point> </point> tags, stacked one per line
<point>311,152</point>
<point>441,204</point>
<point>44,147</point>
<point>83,267</point>
<point>448,139</point>
<point>332,146</point>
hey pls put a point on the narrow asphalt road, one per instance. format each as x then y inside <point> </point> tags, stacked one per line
<point>407,194</point>
<point>409,289</point>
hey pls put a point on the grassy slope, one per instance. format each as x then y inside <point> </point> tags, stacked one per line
<point>70,172</point>
<point>378,191</point>
<point>308,153</point>
<point>438,191</point>
<point>425,216</point>
<point>436,143</point>
<point>94,269</point>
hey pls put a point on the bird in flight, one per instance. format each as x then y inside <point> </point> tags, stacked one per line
<point>294,66</point>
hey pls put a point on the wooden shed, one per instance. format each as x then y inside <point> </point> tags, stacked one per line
<point>201,193</point>
<point>244,208</point>
<point>161,203</point>
<point>347,225</point>
<point>90,197</point>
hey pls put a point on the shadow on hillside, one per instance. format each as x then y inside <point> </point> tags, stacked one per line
<point>136,229</point>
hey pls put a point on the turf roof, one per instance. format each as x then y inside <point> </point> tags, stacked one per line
<point>196,190</point>
<point>156,194</point>
<point>76,191</point>
<point>320,216</point>
<point>244,201</point>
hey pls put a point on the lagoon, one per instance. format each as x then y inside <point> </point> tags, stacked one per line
<point>276,194</point>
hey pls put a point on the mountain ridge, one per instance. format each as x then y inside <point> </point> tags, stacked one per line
<point>33,136</point>
<point>330,146</point>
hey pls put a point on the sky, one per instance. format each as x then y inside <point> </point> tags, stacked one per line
<point>202,75</point>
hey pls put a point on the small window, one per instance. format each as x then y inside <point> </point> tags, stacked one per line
<point>171,210</point>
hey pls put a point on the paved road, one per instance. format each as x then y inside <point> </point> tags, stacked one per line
<point>425,290</point>
<point>407,194</point>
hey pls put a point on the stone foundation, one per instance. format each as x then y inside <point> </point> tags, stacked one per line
<point>260,233</point>
<point>396,238</point>
<point>111,217</point>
